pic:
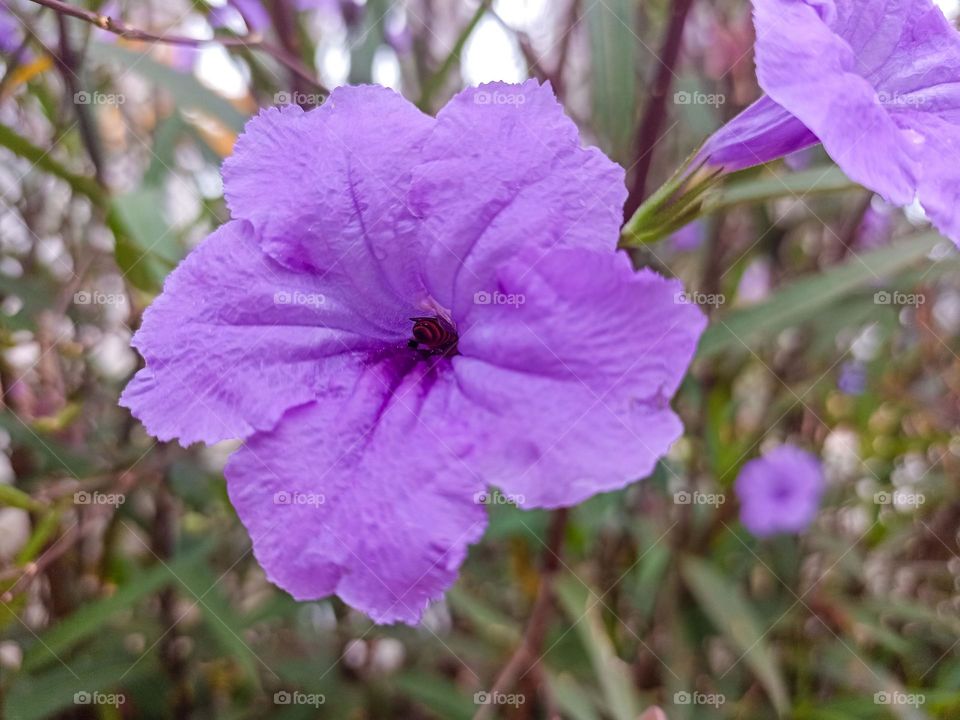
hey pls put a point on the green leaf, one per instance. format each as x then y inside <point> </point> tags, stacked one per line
<point>436,81</point>
<point>815,181</point>
<point>90,618</point>
<point>437,694</point>
<point>613,63</point>
<point>186,90</point>
<point>572,698</point>
<point>731,613</point>
<point>804,299</point>
<point>42,159</point>
<point>583,608</point>
<point>149,251</point>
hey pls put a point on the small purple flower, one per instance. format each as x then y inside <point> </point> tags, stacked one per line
<point>780,491</point>
<point>853,378</point>
<point>11,31</point>
<point>404,311</point>
<point>876,81</point>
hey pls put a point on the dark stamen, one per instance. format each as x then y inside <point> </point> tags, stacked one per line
<point>433,336</point>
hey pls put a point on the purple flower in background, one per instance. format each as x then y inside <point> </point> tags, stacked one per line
<point>853,378</point>
<point>876,227</point>
<point>11,31</point>
<point>780,491</point>
<point>689,237</point>
<point>876,81</point>
<point>403,311</point>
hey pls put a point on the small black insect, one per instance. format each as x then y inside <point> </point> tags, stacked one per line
<point>433,336</point>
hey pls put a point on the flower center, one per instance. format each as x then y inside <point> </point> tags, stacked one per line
<point>433,336</point>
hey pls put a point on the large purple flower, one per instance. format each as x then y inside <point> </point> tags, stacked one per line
<point>403,311</point>
<point>780,491</point>
<point>876,81</point>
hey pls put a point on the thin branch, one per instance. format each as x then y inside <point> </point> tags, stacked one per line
<point>118,27</point>
<point>649,129</point>
<point>69,66</point>
<point>525,657</point>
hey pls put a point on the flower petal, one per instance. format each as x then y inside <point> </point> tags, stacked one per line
<point>326,190</point>
<point>361,498</point>
<point>573,367</point>
<point>504,169</point>
<point>805,67</point>
<point>234,340</point>
<point>763,132</point>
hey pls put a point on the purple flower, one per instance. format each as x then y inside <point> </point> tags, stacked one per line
<point>853,378</point>
<point>403,311</point>
<point>780,491</point>
<point>876,81</point>
<point>11,31</point>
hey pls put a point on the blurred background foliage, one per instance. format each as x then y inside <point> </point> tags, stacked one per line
<point>835,323</point>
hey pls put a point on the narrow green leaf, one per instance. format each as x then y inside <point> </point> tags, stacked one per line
<point>613,676</point>
<point>149,251</point>
<point>186,90</point>
<point>804,299</point>
<point>731,613</point>
<point>815,181</point>
<point>613,62</point>
<point>91,618</point>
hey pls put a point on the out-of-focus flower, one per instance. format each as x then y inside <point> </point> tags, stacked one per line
<point>780,491</point>
<point>875,81</point>
<point>689,237</point>
<point>876,226</point>
<point>417,308</point>
<point>853,378</point>
<point>755,282</point>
